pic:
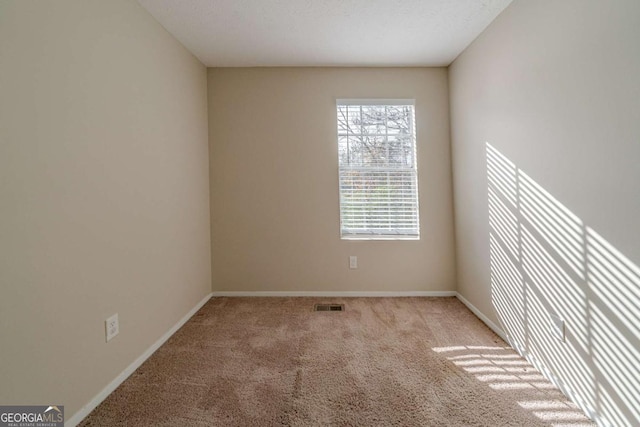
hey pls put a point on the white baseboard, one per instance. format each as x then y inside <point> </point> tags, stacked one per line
<point>97,399</point>
<point>495,328</point>
<point>334,294</point>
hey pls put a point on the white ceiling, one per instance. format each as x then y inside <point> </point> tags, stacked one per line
<point>253,33</point>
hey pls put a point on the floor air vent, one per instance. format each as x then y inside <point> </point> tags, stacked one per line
<point>328,307</point>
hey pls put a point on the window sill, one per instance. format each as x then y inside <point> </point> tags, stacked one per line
<point>348,237</point>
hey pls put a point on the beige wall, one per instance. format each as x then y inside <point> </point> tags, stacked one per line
<point>545,109</point>
<point>103,193</point>
<point>274,182</point>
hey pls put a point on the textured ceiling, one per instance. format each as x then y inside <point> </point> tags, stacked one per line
<point>250,33</point>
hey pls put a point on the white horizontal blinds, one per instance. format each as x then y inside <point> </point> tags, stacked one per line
<point>377,163</point>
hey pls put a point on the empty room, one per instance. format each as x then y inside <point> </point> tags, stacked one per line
<point>320,213</point>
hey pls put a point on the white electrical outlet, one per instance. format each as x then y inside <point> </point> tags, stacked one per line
<point>353,262</point>
<point>557,327</point>
<point>112,327</point>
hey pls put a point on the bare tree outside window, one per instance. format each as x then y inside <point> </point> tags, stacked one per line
<point>378,171</point>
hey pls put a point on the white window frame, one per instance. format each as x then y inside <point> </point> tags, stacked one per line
<point>375,234</point>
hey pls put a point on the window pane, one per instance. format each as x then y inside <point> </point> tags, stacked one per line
<point>373,120</point>
<point>343,150</point>
<point>401,150</point>
<point>342,120</point>
<point>398,119</point>
<point>354,120</point>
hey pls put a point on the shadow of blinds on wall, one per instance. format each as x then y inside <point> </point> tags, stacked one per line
<point>545,261</point>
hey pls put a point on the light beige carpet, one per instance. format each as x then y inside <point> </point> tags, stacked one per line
<point>382,362</point>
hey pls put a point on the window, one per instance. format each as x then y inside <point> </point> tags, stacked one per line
<point>378,170</point>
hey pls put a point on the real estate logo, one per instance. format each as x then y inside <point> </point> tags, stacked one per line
<point>32,416</point>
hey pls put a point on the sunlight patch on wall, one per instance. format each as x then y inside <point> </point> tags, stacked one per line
<point>545,261</point>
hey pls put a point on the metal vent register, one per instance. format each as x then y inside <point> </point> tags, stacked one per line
<point>328,307</point>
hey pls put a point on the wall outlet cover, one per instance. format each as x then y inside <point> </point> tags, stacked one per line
<point>112,327</point>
